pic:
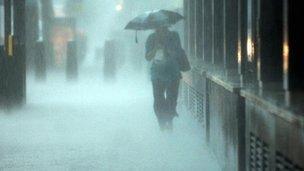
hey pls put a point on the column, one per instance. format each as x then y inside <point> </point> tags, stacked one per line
<point>218,27</point>
<point>242,41</point>
<point>47,26</point>
<point>293,47</point>
<point>19,74</point>
<point>250,59</point>
<point>1,22</point>
<point>199,29</point>
<point>208,31</point>
<point>293,52</point>
<point>192,29</point>
<point>32,30</point>
<point>186,25</point>
<point>7,21</point>
<point>231,39</point>
<point>270,43</point>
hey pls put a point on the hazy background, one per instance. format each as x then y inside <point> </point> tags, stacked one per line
<point>89,122</point>
<point>101,20</point>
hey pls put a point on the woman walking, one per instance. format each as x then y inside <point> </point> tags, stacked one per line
<point>162,48</point>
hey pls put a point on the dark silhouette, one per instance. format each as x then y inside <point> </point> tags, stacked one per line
<point>162,49</point>
<point>110,60</point>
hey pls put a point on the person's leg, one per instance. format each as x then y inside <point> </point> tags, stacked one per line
<point>171,103</point>
<point>171,97</point>
<point>159,102</point>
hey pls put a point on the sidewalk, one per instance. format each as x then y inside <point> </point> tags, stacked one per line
<point>91,125</point>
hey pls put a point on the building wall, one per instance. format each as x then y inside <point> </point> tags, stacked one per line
<point>236,87</point>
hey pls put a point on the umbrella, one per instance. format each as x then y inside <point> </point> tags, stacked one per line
<point>154,19</point>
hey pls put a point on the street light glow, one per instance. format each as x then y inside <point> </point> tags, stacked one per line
<point>250,49</point>
<point>119,7</point>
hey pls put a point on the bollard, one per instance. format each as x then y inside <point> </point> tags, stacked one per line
<point>12,77</point>
<point>110,60</point>
<point>71,63</point>
<point>40,62</point>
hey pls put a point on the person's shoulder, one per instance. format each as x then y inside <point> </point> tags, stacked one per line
<point>173,32</point>
<point>152,35</point>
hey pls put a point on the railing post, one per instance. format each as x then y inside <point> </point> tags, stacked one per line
<point>110,60</point>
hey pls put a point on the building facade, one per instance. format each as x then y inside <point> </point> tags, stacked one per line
<point>246,85</point>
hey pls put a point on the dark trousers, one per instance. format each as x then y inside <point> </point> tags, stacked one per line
<point>165,100</point>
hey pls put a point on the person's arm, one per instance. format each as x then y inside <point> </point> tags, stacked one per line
<point>150,48</point>
<point>151,54</point>
<point>177,41</point>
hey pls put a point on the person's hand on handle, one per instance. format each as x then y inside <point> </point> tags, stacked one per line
<point>150,55</point>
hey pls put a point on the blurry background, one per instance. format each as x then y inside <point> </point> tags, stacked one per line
<point>90,24</point>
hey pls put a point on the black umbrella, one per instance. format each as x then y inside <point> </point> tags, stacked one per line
<point>154,19</point>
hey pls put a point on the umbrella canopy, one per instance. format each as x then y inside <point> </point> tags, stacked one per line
<point>154,19</point>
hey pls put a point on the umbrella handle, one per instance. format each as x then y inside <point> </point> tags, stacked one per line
<point>136,38</point>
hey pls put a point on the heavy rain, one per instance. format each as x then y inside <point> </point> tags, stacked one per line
<point>151,85</point>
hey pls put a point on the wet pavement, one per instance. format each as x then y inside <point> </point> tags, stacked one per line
<point>92,125</point>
